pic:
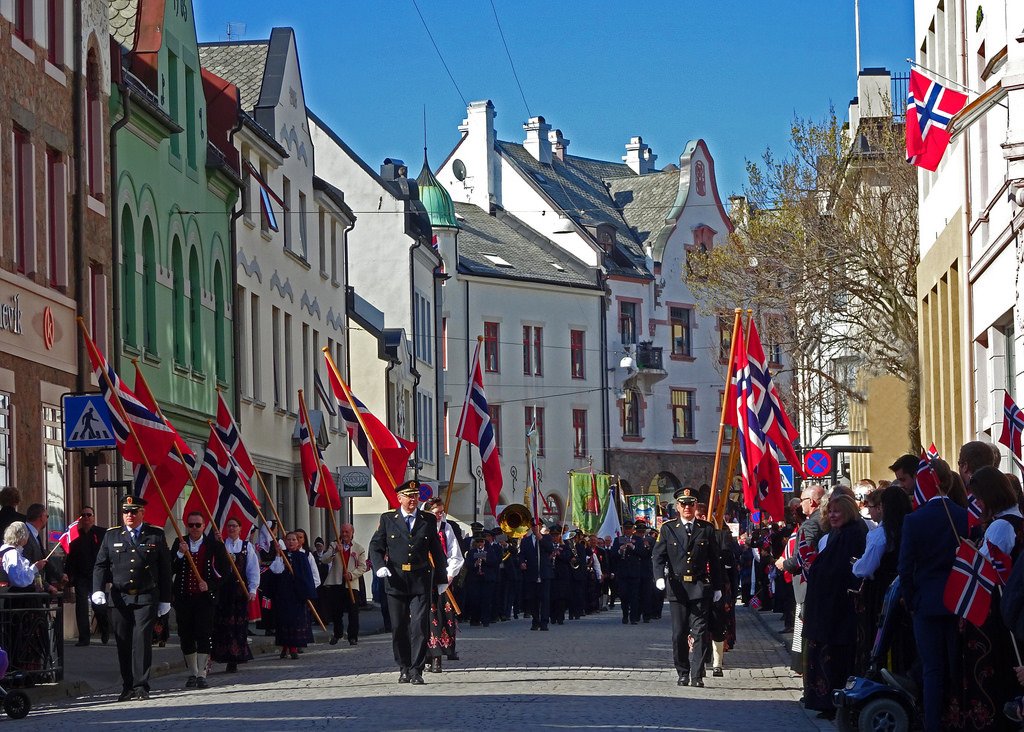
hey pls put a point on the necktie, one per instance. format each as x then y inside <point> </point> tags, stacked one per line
<point>689,530</point>
<point>408,522</point>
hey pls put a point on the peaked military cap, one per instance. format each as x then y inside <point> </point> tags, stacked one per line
<point>409,488</point>
<point>685,495</point>
<point>132,502</point>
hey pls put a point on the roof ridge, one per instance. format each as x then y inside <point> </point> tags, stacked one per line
<point>222,44</point>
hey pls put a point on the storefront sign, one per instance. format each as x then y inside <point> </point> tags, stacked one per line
<point>10,315</point>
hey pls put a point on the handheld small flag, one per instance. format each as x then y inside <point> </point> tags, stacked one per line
<point>1001,561</point>
<point>69,536</point>
<point>1013,425</point>
<point>926,486</point>
<point>968,592</point>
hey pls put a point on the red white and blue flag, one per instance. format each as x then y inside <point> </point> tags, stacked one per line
<point>226,491</point>
<point>968,592</point>
<point>227,430</point>
<point>321,489</point>
<point>806,552</point>
<point>1001,561</point>
<point>155,437</point>
<point>1013,424</point>
<point>930,108</point>
<point>266,196</point>
<point>392,453</point>
<point>69,536</point>
<point>475,428</point>
<point>926,486</point>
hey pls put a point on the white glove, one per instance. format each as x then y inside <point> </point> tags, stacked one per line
<point>99,598</point>
<point>660,583</point>
<point>383,572</point>
<point>717,596</point>
<point>441,588</point>
<point>163,608</point>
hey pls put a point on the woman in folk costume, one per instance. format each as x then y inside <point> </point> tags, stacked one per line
<point>444,622</point>
<point>293,588</point>
<point>231,624</point>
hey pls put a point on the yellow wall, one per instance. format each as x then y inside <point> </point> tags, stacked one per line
<point>882,422</point>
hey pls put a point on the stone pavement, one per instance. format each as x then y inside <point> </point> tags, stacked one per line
<point>593,673</point>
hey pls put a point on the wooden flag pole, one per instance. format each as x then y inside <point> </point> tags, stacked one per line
<point>721,425</point>
<point>138,444</point>
<point>458,440</point>
<point>730,470</point>
<point>373,446</point>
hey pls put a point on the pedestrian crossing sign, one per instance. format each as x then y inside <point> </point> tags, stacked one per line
<point>787,478</point>
<point>86,422</point>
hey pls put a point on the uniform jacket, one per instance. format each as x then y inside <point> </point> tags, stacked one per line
<point>82,555</point>
<point>138,574</point>
<point>336,560</point>
<point>528,556</point>
<point>408,553</point>
<point>489,561</point>
<point>693,566</point>
<point>627,554</point>
<point>213,568</point>
<point>927,550</point>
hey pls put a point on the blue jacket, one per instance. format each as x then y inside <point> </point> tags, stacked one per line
<point>528,556</point>
<point>927,551</point>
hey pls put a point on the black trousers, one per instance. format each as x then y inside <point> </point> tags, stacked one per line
<point>83,590</point>
<point>537,600</point>
<point>689,618</point>
<point>410,628</point>
<point>195,622</point>
<point>480,601</point>
<point>629,596</point>
<point>339,604</point>
<point>133,633</point>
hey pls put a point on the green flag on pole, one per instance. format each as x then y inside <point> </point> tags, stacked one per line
<point>590,499</point>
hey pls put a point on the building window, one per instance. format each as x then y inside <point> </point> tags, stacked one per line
<point>98,305</point>
<point>220,318</point>
<point>172,100</point>
<point>149,287</point>
<point>56,213</point>
<point>55,32</point>
<point>627,322</point>
<point>579,432</point>
<point>255,347</point>
<point>725,323</point>
<point>129,321</point>
<point>334,251</point>
<point>577,351</point>
<point>681,336</point>
<point>492,361</point>
<point>289,383</point>
<point>275,324</point>
<point>321,221</point>
<point>94,128</point>
<point>23,19</point>
<point>495,411</point>
<point>24,204</point>
<point>55,467</point>
<point>246,201</point>
<point>682,414</point>
<point>424,314</point>
<point>631,414</point>
<point>535,416</point>
<point>286,211</point>
<point>444,343</point>
<point>195,292</point>
<point>303,238</point>
<point>178,263</point>
<point>425,427</point>
<point>306,365</point>
<point>6,444</point>
<point>190,117</point>
<point>264,220</point>
<point>773,333</point>
<point>533,350</point>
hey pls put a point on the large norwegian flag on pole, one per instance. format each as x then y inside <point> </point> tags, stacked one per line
<point>771,415</point>
<point>930,108</point>
<point>222,487</point>
<point>475,428</point>
<point>1013,424</point>
<point>227,430</point>
<point>749,442</point>
<point>392,452</point>
<point>968,592</point>
<point>128,414</point>
<point>321,489</point>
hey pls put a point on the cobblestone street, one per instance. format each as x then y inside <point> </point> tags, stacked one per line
<point>589,674</point>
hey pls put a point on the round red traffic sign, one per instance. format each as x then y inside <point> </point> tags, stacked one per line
<point>818,463</point>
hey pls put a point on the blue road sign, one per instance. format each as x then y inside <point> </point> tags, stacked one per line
<point>818,463</point>
<point>787,478</point>
<point>86,422</point>
<point>755,517</point>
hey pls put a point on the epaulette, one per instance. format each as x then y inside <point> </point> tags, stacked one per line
<point>114,528</point>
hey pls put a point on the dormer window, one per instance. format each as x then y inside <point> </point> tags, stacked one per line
<point>703,238</point>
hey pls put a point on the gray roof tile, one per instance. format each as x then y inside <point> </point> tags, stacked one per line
<point>644,201</point>
<point>122,16</point>
<point>242,63</point>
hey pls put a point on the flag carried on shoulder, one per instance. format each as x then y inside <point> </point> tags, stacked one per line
<point>227,430</point>
<point>321,490</point>
<point>926,486</point>
<point>475,428</point>
<point>930,108</point>
<point>1013,424</point>
<point>226,492</point>
<point>968,592</point>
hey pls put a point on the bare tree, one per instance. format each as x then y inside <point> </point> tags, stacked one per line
<point>825,252</point>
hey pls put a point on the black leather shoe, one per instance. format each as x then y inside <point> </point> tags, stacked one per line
<point>543,627</point>
<point>334,640</point>
<point>625,621</point>
<point>534,627</point>
<point>232,668</point>
<point>105,638</point>
<point>82,643</point>
<point>416,679</point>
<point>126,694</point>
<point>403,676</point>
<point>201,683</point>
<point>698,683</point>
<point>191,683</point>
<point>717,672</point>
<point>141,694</point>
<point>683,681</point>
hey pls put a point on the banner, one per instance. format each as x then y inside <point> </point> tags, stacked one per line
<point>643,507</point>
<point>582,487</point>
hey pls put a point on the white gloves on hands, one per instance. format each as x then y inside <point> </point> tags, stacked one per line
<point>441,588</point>
<point>717,596</point>
<point>660,583</point>
<point>99,598</point>
<point>163,608</point>
<point>383,572</point>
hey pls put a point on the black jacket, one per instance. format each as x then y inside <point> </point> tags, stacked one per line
<point>528,555</point>
<point>138,574</point>
<point>693,564</point>
<point>213,568</point>
<point>82,555</point>
<point>409,553</point>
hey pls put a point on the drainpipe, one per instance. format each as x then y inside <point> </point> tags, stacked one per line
<point>78,207</point>
<point>469,453</point>
<point>236,374</point>
<point>348,345</point>
<point>605,419</point>
<point>439,279</point>
<point>416,374</point>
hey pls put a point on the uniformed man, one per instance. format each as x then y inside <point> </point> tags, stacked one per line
<point>627,573</point>
<point>686,561</point>
<point>409,558</point>
<point>135,561</point>
<point>535,551</point>
<point>195,595</point>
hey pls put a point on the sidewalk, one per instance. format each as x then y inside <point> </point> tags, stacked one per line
<point>90,669</point>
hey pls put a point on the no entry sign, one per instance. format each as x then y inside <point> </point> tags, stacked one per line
<point>818,463</point>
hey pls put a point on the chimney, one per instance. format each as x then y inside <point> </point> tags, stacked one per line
<point>537,142</point>
<point>558,144</point>
<point>639,157</point>
<point>478,157</point>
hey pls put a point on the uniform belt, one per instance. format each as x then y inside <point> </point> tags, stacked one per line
<point>145,591</point>
<point>410,567</point>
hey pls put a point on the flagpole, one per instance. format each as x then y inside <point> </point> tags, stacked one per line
<point>718,517</point>
<point>373,446</point>
<point>458,431</point>
<point>721,425</point>
<point>135,438</point>
<point>191,478</point>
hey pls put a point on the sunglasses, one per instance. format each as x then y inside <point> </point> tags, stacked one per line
<point>195,526</point>
<point>129,510</point>
<point>87,515</point>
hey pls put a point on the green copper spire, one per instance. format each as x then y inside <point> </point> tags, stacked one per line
<point>435,198</point>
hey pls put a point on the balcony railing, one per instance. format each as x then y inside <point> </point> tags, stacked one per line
<point>648,357</point>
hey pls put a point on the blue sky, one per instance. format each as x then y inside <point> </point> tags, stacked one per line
<point>733,73</point>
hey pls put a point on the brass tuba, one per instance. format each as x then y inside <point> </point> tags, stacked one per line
<point>514,520</point>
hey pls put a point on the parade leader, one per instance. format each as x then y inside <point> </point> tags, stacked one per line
<point>686,559</point>
<point>135,561</point>
<point>410,559</point>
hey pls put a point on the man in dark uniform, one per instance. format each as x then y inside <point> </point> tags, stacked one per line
<point>78,567</point>
<point>626,571</point>
<point>135,561</point>
<point>687,555</point>
<point>483,575</point>
<point>538,570</point>
<point>195,596</point>
<point>644,547</point>
<point>408,556</point>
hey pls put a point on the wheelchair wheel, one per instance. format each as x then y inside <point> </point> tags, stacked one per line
<point>883,715</point>
<point>17,704</point>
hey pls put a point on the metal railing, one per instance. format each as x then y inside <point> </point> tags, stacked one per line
<point>32,633</point>
<point>648,356</point>
<point>900,88</point>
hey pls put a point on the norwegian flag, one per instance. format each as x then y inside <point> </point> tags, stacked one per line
<point>771,415</point>
<point>127,413</point>
<point>750,442</point>
<point>926,486</point>
<point>790,551</point>
<point>69,536</point>
<point>1013,425</point>
<point>933,452</point>
<point>755,602</point>
<point>973,510</point>
<point>806,552</point>
<point>1001,562</point>
<point>394,451</point>
<point>475,428</point>
<point>225,491</point>
<point>968,593</point>
<point>320,487</point>
<point>930,108</point>
<point>227,430</point>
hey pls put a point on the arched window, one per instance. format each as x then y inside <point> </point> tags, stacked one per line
<point>195,309</point>
<point>220,324</point>
<point>128,299</point>
<point>93,125</point>
<point>149,287</point>
<point>179,302</point>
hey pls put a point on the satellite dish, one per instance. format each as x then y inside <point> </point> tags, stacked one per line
<point>459,169</point>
